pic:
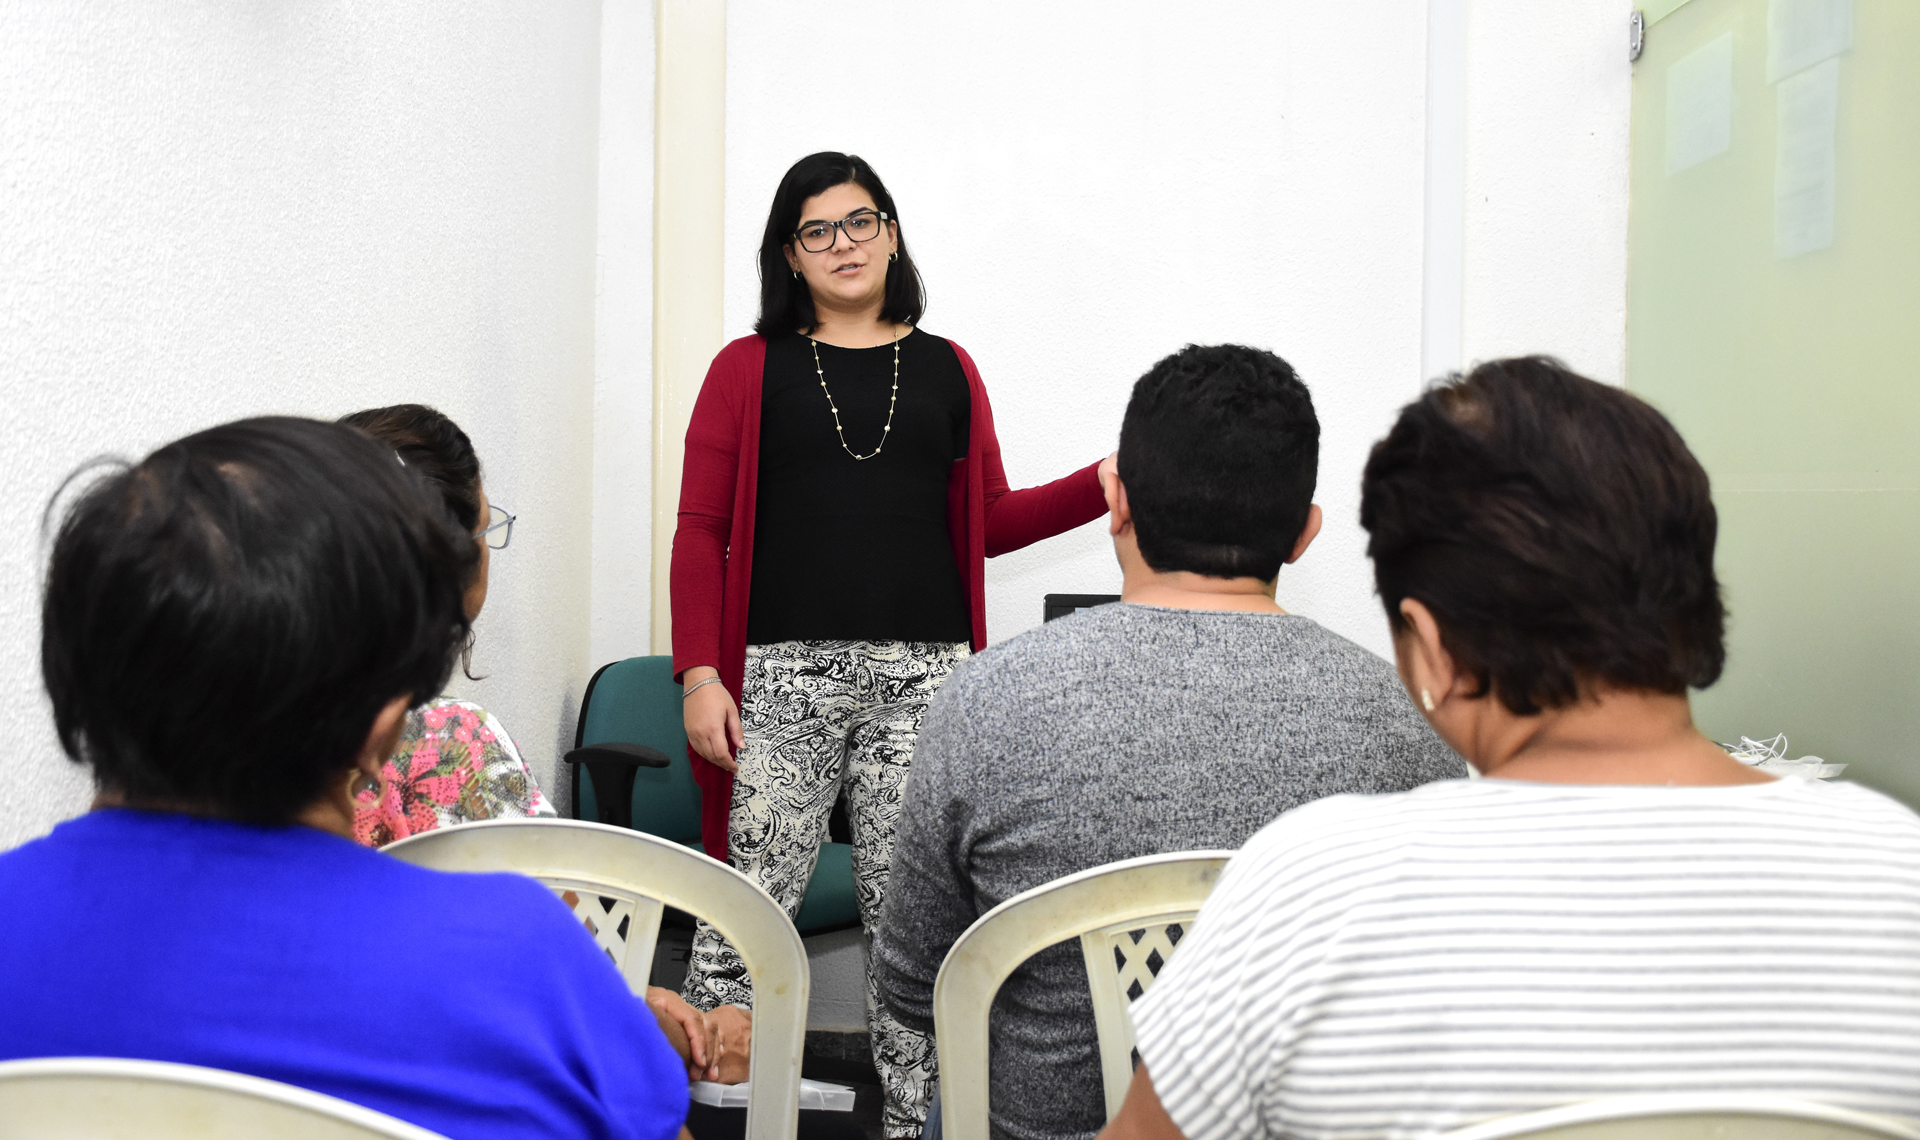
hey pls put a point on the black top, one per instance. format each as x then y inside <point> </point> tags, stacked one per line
<point>858,549</point>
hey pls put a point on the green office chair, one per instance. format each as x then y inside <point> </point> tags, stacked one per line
<point>633,744</point>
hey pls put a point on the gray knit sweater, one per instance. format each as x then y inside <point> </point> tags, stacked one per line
<point>1120,731</point>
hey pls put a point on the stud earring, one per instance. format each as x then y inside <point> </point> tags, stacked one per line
<point>1426,700</point>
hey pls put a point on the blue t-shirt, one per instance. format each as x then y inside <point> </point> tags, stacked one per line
<point>472,1005</point>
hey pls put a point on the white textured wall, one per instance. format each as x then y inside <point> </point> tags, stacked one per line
<point>217,210</point>
<point>1548,92</point>
<point>623,337</point>
<point>212,210</point>
<point>1249,171</point>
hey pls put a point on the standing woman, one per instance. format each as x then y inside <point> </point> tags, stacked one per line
<point>842,491</point>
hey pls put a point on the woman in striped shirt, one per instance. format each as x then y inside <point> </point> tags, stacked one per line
<point>1620,907</point>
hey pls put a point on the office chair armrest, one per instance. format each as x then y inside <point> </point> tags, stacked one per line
<point>612,766</point>
<point>637,755</point>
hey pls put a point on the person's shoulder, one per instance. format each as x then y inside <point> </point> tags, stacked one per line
<point>1340,827</point>
<point>444,710</point>
<point>947,345</point>
<point>1050,652</point>
<point>1005,691</point>
<point>1342,660</point>
<point>1849,807</point>
<point>1262,649</point>
<point>1306,862</point>
<point>742,349</point>
<point>739,360</point>
<point>1354,686</point>
<point>447,716</point>
<point>510,912</point>
<point>994,696</point>
<point>31,860</point>
<point>934,348</point>
<point>446,702</point>
<point>934,341</point>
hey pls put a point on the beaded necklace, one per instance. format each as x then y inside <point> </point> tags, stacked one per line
<point>892,400</point>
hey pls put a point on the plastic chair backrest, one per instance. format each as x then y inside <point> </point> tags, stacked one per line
<point>1121,912</point>
<point>1691,1116</point>
<point>107,1098</point>
<point>636,702</point>
<point>619,881</point>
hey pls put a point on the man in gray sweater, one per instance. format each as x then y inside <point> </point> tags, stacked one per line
<point>1185,717</point>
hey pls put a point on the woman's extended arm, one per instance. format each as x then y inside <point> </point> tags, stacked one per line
<point>1023,517</point>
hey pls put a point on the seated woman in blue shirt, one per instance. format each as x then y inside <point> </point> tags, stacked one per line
<point>232,633</point>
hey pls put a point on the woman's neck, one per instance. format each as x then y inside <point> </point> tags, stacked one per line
<point>332,814</point>
<point>1615,737</point>
<point>852,328</point>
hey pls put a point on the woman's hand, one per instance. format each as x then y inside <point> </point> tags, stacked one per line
<point>1108,466</point>
<point>686,1030</point>
<point>712,719</point>
<point>730,1032</point>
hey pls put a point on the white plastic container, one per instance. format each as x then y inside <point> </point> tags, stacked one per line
<point>814,1095</point>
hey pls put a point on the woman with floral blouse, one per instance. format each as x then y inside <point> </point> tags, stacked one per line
<point>455,762</point>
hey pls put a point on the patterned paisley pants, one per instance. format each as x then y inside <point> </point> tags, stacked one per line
<point>820,716</point>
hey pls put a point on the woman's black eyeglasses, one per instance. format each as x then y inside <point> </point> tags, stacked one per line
<point>861,225</point>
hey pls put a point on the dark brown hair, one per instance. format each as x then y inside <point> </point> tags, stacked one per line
<point>223,621</point>
<point>1558,529</point>
<point>434,448</point>
<point>439,454</point>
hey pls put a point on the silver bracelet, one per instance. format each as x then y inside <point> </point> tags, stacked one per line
<point>691,689</point>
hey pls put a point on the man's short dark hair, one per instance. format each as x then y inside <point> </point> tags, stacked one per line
<point>1219,452</point>
<point>1558,529</point>
<point>223,621</point>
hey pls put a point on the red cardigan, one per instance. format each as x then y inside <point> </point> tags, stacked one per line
<point>713,547</point>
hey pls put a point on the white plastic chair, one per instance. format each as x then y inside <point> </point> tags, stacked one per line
<point>1121,913</point>
<point>108,1098</point>
<point>1686,1116</point>
<point>617,882</point>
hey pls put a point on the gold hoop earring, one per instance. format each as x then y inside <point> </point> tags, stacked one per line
<point>796,275</point>
<point>893,257</point>
<point>1426,700</point>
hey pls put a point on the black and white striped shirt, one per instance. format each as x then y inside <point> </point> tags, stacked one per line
<point>1388,966</point>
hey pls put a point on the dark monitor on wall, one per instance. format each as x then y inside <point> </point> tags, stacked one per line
<point>1060,605</point>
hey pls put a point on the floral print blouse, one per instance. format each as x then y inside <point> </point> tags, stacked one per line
<point>455,764</point>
